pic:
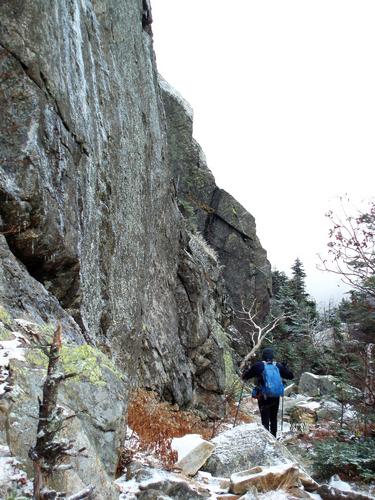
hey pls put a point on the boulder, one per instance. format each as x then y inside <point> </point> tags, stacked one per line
<point>328,492</point>
<point>265,478</point>
<point>315,385</point>
<point>193,452</point>
<point>169,489</point>
<point>332,410</point>
<point>293,400</point>
<point>304,413</point>
<point>243,447</point>
<point>250,495</point>
<point>97,396</point>
<point>322,385</point>
<point>217,485</point>
<point>338,489</point>
<point>290,389</point>
<point>151,484</point>
<point>329,410</point>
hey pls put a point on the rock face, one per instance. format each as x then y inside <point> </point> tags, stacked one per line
<point>87,198</point>
<point>23,296</point>
<point>96,396</point>
<point>225,224</point>
<point>92,148</point>
<point>88,206</point>
<point>326,385</point>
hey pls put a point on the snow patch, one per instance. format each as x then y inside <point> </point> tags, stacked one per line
<point>12,477</point>
<point>275,495</point>
<point>316,377</point>
<point>11,349</point>
<point>130,488</point>
<point>313,405</point>
<point>336,482</point>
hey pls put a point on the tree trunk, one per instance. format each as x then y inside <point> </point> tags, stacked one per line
<point>38,480</point>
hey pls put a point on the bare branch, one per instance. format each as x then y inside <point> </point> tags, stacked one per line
<point>258,333</point>
<point>352,248</point>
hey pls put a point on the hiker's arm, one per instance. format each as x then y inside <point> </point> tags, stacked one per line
<point>284,371</point>
<point>252,371</point>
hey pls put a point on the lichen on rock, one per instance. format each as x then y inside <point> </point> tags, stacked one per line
<point>86,361</point>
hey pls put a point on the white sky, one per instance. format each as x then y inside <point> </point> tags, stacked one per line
<point>283,93</point>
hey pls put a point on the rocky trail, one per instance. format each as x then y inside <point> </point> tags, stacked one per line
<point>244,461</point>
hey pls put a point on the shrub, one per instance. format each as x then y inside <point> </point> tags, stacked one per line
<point>156,423</point>
<point>353,460</point>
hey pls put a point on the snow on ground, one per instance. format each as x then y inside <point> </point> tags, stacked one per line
<point>12,478</point>
<point>128,489</point>
<point>9,349</point>
<point>214,485</point>
<point>274,495</point>
<point>336,482</point>
<point>312,405</point>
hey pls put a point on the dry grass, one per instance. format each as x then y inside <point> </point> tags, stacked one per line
<point>155,423</point>
<point>154,420</point>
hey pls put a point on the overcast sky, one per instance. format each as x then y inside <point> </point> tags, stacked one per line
<point>283,93</point>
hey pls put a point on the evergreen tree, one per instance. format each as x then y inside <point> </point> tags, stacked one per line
<point>293,337</point>
<point>279,281</point>
<point>358,312</point>
<point>297,282</point>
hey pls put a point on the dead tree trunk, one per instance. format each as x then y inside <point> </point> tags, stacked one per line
<point>48,454</point>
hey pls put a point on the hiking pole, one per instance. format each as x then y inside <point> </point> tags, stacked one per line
<point>282,414</point>
<point>238,404</point>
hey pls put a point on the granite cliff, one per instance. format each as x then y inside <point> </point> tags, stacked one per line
<point>110,221</point>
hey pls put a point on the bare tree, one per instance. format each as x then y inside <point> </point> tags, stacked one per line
<point>50,454</point>
<point>352,248</point>
<point>256,332</point>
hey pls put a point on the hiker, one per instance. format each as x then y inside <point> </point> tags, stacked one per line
<point>268,403</point>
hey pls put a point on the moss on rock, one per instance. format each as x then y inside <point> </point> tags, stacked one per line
<point>5,334</point>
<point>85,360</point>
<point>232,380</point>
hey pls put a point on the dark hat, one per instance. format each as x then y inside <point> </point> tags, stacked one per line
<point>267,354</point>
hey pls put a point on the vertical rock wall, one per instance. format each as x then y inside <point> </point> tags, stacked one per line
<point>88,207</point>
<point>225,224</point>
<point>91,154</point>
<point>86,198</point>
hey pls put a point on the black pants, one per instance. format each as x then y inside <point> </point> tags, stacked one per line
<point>268,412</point>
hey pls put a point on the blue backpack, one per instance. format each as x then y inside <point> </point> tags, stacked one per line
<point>272,384</point>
